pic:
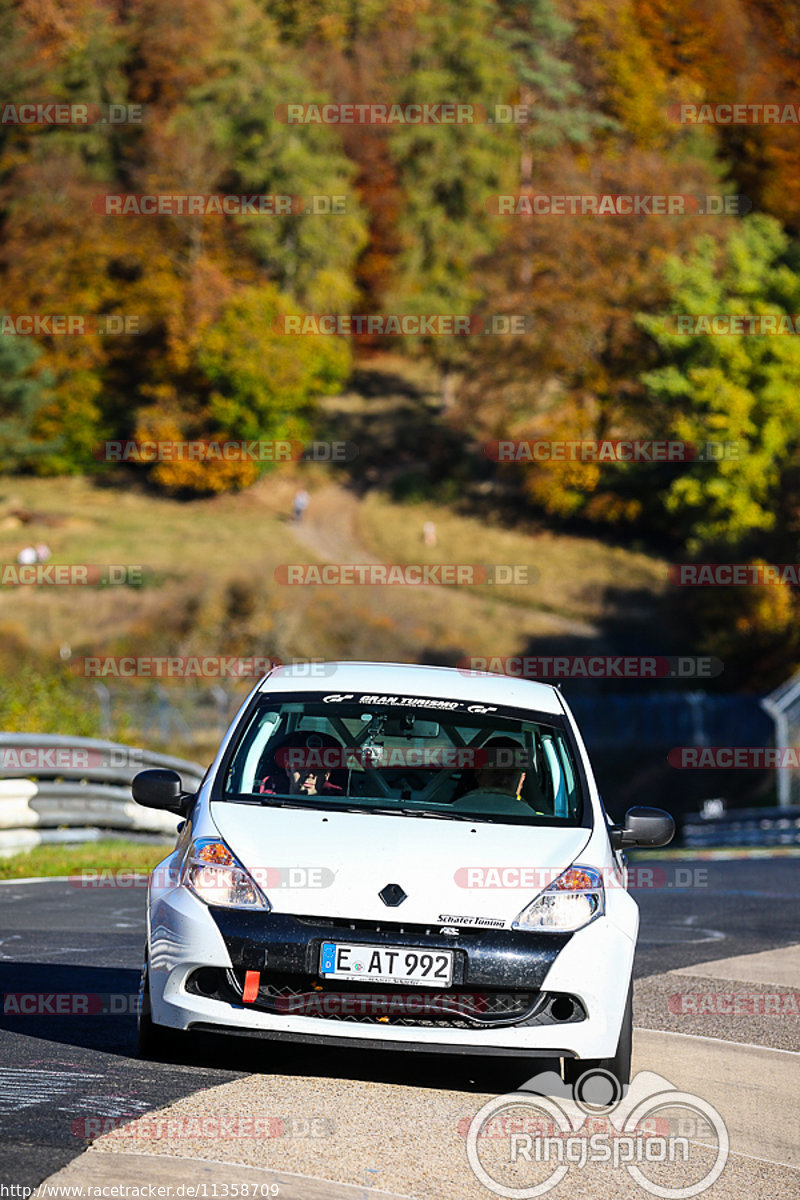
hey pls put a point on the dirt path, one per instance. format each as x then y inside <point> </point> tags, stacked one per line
<point>329,531</point>
<point>329,528</point>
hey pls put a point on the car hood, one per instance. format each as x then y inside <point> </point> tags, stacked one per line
<point>330,864</point>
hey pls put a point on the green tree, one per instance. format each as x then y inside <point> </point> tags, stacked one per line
<point>23,395</point>
<point>264,381</point>
<point>229,130</point>
<point>739,389</point>
<point>537,38</point>
<point>448,171</point>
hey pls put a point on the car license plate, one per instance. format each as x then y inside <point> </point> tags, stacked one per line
<point>387,964</point>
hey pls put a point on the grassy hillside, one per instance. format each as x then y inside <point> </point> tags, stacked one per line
<point>210,575</point>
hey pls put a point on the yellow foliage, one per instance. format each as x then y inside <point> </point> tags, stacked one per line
<point>191,474</point>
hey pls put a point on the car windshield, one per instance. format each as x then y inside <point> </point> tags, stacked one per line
<point>406,755</point>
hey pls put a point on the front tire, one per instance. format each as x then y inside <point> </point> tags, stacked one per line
<point>619,1066</point>
<point>153,1041</point>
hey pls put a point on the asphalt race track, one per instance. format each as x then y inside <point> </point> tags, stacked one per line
<point>59,1074</point>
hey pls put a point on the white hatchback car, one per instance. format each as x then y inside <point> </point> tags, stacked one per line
<point>396,856</point>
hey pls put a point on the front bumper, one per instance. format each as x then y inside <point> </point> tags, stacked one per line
<point>592,966</point>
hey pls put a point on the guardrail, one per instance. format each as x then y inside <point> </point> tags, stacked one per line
<point>744,827</point>
<point>65,789</point>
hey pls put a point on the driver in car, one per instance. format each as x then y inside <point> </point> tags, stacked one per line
<point>301,767</point>
<point>502,772</point>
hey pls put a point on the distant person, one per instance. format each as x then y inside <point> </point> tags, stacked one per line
<point>300,504</point>
<point>27,556</point>
<point>429,533</point>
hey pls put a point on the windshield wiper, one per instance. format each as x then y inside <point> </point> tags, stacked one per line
<point>423,812</point>
<point>437,816</point>
<point>273,802</point>
<point>277,802</point>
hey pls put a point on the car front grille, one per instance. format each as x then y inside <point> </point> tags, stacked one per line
<point>384,1005</point>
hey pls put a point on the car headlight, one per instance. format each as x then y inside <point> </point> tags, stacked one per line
<point>569,903</point>
<point>216,876</point>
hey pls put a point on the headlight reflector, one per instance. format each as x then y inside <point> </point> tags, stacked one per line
<point>217,877</point>
<point>569,903</point>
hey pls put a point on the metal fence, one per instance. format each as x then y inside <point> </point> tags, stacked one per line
<point>783,707</point>
<point>57,789</point>
<point>175,715</point>
<point>745,827</point>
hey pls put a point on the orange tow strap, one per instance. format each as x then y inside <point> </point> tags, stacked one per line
<point>251,982</point>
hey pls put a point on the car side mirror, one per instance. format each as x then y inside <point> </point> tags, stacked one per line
<point>161,788</point>
<point>643,827</point>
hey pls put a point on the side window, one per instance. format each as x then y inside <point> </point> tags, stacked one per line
<point>553,760</point>
<point>568,769</point>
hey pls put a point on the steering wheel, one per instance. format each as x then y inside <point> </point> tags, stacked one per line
<point>489,801</point>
